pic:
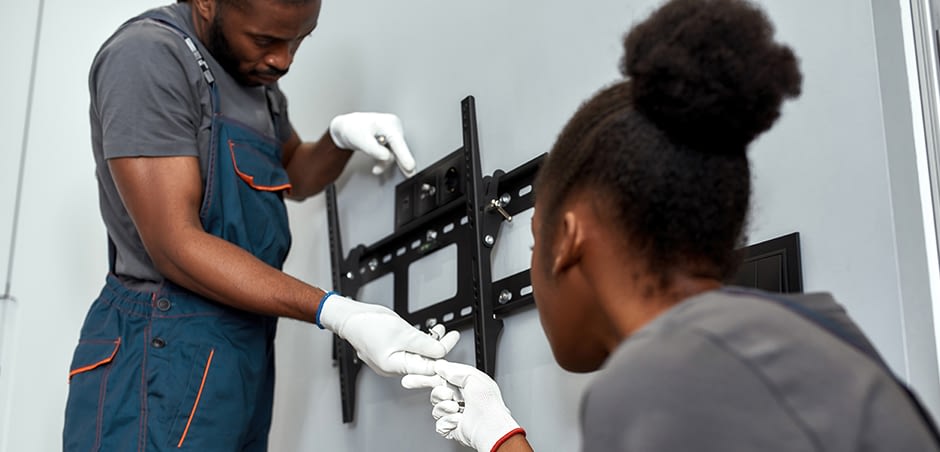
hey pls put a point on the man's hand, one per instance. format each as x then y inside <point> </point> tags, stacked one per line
<point>468,406</point>
<point>382,339</point>
<point>379,135</point>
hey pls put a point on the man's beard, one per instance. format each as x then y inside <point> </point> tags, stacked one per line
<point>222,51</point>
<point>219,47</point>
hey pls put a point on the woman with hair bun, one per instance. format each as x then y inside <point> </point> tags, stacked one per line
<point>640,207</point>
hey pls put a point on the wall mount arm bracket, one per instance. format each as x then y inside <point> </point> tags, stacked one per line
<point>448,203</point>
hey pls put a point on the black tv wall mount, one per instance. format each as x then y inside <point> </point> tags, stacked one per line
<point>448,203</point>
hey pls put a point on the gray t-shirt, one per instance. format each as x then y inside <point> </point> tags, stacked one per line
<point>149,98</point>
<point>731,372</point>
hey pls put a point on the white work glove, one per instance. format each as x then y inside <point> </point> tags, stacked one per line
<point>379,135</point>
<point>382,339</point>
<point>468,406</point>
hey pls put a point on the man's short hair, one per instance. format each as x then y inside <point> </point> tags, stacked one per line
<point>243,3</point>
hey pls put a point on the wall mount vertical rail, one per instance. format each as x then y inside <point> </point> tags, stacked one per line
<point>450,203</point>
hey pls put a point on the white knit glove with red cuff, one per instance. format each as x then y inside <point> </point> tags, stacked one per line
<point>382,339</point>
<point>468,406</point>
<point>379,135</point>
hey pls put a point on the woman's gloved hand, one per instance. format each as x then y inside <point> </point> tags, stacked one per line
<point>382,339</point>
<point>380,135</point>
<point>468,406</point>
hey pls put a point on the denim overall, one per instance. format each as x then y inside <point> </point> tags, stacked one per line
<point>171,369</point>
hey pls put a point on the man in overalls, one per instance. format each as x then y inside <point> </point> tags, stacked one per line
<point>194,154</point>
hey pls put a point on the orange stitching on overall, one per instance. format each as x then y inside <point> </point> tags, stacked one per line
<point>198,395</point>
<point>107,360</point>
<point>251,179</point>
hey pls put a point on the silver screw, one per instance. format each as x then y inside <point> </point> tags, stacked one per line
<point>495,205</point>
<point>373,264</point>
<point>349,275</point>
<point>489,240</point>
<point>432,235</point>
<point>428,190</point>
<point>504,200</point>
<point>505,296</point>
<point>381,139</point>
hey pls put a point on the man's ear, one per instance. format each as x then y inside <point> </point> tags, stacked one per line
<point>569,243</point>
<point>205,8</point>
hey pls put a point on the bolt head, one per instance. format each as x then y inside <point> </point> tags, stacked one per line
<point>504,200</point>
<point>489,240</point>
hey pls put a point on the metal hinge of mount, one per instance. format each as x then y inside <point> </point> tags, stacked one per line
<point>448,203</point>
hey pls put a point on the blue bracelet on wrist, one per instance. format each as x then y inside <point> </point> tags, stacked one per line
<point>320,308</point>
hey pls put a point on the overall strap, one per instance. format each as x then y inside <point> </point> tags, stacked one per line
<point>170,22</point>
<point>273,104</point>
<point>827,324</point>
<point>167,20</point>
<point>281,126</point>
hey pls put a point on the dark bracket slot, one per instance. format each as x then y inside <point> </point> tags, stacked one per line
<point>512,293</point>
<point>448,203</point>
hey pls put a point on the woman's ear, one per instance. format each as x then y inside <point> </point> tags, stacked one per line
<point>569,244</point>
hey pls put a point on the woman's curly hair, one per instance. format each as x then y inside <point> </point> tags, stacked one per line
<point>663,152</point>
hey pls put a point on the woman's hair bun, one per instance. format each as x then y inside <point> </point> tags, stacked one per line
<point>709,74</point>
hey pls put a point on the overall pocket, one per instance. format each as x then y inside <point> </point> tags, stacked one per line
<point>88,383</point>
<point>260,211</point>
<point>205,385</point>
<point>259,170</point>
<point>92,354</point>
<point>191,414</point>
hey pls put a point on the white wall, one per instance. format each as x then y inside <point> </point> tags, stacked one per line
<point>18,19</point>
<point>529,63</point>
<point>61,256</point>
<point>834,170</point>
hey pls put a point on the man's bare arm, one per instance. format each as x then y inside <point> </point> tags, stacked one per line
<point>163,196</point>
<point>311,166</point>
